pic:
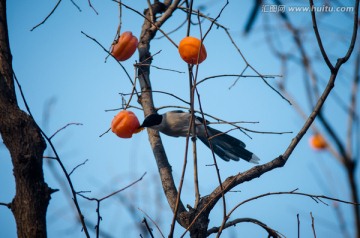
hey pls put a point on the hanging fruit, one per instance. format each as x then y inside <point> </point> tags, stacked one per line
<point>191,50</point>
<point>318,142</point>
<point>125,46</point>
<point>125,124</point>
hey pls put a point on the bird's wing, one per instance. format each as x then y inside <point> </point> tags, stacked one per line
<point>202,120</point>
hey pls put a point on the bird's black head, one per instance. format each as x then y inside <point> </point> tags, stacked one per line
<point>152,120</point>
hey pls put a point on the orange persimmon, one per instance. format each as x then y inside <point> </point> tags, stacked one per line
<point>317,142</point>
<point>125,124</point>
<point>125,46</point>
<point>191,50</point>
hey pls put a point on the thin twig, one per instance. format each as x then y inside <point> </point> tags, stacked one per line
<point>122,189</point>
<point>172,31</point>
<point>157,24</point>
<point>120,21</point>
<point>214,158</point>
<point>47,17</point>
<point>8,205</point>
<point>318,37</point>
<point>253,131</point>
<point>316,198</point>
<point>353,37</point>
<point>247,63</point>
<point>165,69</point>
<point>215,20</point>
<point>170,94</point>
<point>313,224</point>
<point>102,134</point>
<point>117,35</point>
<point>148,227</point>
<point>99,218</point>
<point>77,6</point>
<point>77,166</point>
<point>158,228</point>
<point>132,92</point>
<point>231,122</point>
<point>242,72</point>
<point>192,89</point>
<point>352,111</point>
<point>298,225</point>
<point>178,200</point>
<point>62,128</point>
<point>92,7</point>
<point>236,75</point>
<point>99,200</point>
<point>97,42</point>
<point>272,233</point>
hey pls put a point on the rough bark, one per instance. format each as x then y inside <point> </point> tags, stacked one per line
<point>22,137</point>
<point>146,100</point>
<point>183,217</point>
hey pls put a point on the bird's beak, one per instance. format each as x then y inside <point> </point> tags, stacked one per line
<point>139,129</point>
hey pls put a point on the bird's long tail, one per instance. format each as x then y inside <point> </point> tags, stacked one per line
<point>228,147</point>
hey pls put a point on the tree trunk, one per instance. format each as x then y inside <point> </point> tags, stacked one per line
<point>22,137</point>
<point>200,227</point>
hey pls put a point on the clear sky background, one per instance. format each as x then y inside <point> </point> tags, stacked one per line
<point>65,79</point>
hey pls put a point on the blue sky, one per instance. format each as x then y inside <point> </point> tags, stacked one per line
<point>65,79</point>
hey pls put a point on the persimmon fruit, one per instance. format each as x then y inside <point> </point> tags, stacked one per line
<point>318,142</point>
<point>125,46</point>
<point>191,50</point>
<point>125,124</point>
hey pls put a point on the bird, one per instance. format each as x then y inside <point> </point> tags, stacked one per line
<point>176,124</point>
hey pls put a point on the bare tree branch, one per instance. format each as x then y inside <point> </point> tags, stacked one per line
<point>270,231</point>
<point>313,224</point>
<point>156,25</point>
<point>47,17</point>
<point>92,7</point>
<point>316,198</point>
<point>57,158</point>
<point>352,118</point>
<point>158,228</point>
<point>62,128</point>
<point>298,225</point>
<point>147,34</point>
<point>148,227</point>
<point>318,37</point>
<point>97,42</point>
<point>77,166</point>
<point>99,200</point>
<point>8,205</point>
